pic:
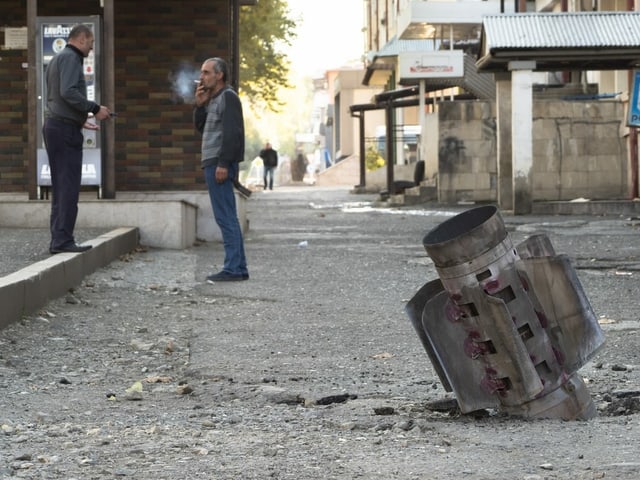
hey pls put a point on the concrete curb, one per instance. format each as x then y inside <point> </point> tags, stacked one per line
<point>591,207</point>
<point>27,290</point>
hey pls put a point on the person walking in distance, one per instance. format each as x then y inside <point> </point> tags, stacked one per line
<point>66,114</point>
<point>218,117</point>
<point>270,162</point>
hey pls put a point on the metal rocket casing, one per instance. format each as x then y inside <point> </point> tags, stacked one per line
<point>505,327</point>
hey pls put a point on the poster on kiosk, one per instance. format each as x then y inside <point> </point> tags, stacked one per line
<point>52,34</point>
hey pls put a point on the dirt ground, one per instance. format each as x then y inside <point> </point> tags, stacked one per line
<point>309,370</point>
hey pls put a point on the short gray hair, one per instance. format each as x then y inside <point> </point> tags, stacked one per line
<point>80,29</point>
<point>220,66</point>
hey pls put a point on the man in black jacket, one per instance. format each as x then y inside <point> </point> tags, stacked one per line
<point>67,110</point>
<point>270,162</point>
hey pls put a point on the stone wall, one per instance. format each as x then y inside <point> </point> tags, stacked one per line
<point>578,151</point>
<point>467,151</point>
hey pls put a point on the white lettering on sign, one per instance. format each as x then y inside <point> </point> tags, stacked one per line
<point>57,31</point>
<point>439,64</point>
<point>431,68</point>
<point>45,172</point>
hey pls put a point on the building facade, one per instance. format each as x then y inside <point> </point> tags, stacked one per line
<point>157,54</point>
<point>575,112</point>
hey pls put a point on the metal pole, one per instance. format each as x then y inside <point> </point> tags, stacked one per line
<point>235,43</point>
<point>363,166</point>
<point>32,109</point>
<point>390,138</point>
<point>109,99</point>
<point>421,155</point>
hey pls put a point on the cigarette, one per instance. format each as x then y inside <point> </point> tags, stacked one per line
<point>196,81</point>
<point>113,114</point>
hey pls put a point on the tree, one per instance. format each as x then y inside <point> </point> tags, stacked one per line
<point>265,28</point>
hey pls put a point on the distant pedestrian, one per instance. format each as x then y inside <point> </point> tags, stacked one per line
<point>299,167</point>
<point>218,117</point>
<point>66,114</point>
<point>270,162</point>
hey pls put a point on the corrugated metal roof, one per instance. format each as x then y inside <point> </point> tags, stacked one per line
<point>395,46</point>
<point>575,40</point>
<point>563,30</point>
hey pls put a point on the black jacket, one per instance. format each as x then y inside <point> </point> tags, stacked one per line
<point>269,156</point>
<point>67,89</point>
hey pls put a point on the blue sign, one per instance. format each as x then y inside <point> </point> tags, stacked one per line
<point>634,102</point>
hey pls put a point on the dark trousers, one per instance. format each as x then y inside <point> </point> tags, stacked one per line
<point>63,142</point>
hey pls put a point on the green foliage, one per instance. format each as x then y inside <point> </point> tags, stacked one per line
<point>265,28</point>
<point>253,141</point>
<point>373,159</point>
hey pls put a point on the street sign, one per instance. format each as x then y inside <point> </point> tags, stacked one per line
<point>634,102</point>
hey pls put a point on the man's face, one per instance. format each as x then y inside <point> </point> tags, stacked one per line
<point>84,43</point>
<point>209,78</point>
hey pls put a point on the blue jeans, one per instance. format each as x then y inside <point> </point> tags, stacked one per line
<point>223,202</point>
<point>269,172</point>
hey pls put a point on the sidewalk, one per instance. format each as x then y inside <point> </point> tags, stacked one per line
<point>21,247</point>
<point>28,288</point>
<point>308,370</point>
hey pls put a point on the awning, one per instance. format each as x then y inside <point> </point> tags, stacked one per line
<point>561,41</point>
<point>383,62</point>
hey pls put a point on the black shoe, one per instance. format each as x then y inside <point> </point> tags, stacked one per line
<point>73,248</point>
<point>225,276</point>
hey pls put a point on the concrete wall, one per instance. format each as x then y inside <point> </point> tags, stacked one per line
<point>578,151</point>
<point>349,86</point>
<point>164,219</point>
<point>467,151</point>
<point>345,172</point>
<point>205,225</point>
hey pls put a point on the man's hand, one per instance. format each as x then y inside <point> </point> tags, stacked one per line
<point>202,95</point>
<point>90,126</point>
<point>103,114</point>
<point>221,174</point>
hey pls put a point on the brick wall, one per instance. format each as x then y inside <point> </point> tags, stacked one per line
<point>13,104</point>
<point>578,151</point>
<point>156,147</point>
